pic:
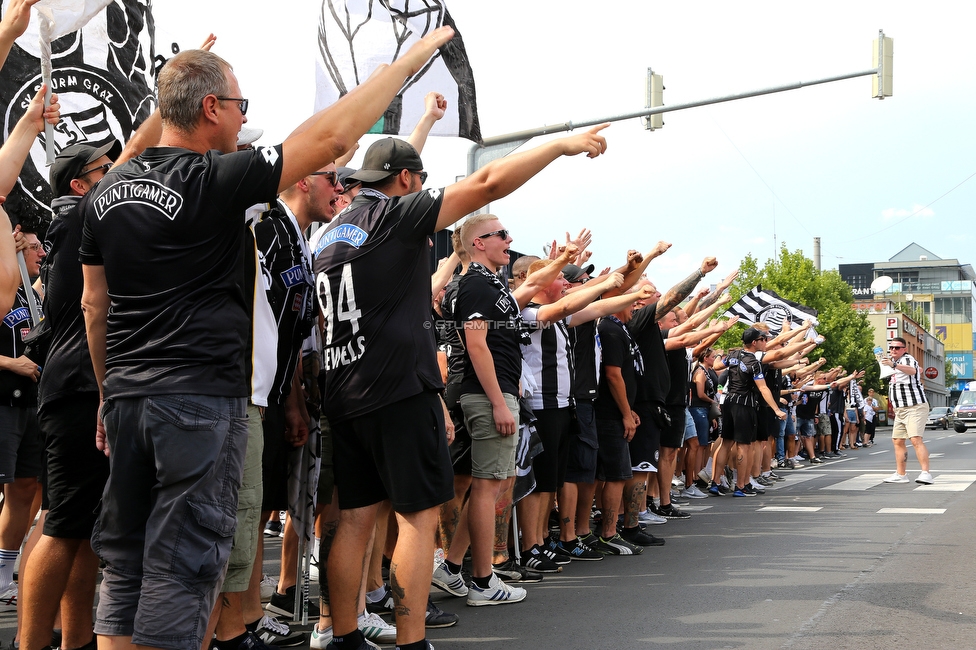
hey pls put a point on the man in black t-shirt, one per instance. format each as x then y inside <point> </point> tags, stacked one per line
<point>373,285</point>
<point>67,412</point>
<point>163,245</point>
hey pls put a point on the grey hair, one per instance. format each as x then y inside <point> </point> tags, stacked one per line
<point>184,81</point>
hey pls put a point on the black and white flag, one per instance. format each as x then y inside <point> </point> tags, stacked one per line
<point>765,306</point>
<point>357,36</point>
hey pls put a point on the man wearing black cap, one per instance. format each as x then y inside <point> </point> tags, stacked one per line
<point>67,411</point>
<point>373,279</point>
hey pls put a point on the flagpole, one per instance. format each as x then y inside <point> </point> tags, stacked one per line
<point>45,46</point>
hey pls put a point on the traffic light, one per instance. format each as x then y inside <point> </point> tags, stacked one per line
<point>654,97</point>
<point>881,59</point>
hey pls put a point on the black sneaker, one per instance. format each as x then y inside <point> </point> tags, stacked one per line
<point>277,634</point>
<point>670,512</point>
<point>550,550</point>
<point>641,538</point>
<point>536,560</point>
<point>285,604</point>
<point>437,618</point>
<point>587,540</point>
<point>575,550</point>
<point>816,461</point>
<point>749,491</point>
<point>273,528</point>
<point>510,571</point>
<point>616,545</point>
<point>384,605</point>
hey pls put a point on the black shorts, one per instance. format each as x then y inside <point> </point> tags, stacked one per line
<point>555,427</point>
<point>584,445</point>
<point>739,423</point>
<point>397,452</point>
<point>673,435</point>
<point>76,469</point>
<point>763,427</point>
<point>613,457</point>
<point>326,483</point>
<point>21,445</point>
<point>274,461</point>
<point>645,447</point>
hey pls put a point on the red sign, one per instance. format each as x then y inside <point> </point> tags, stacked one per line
<point>892,323</point>
<point>932,372</point>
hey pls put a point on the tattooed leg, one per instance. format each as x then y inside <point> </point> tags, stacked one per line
<point>347,559</point>
<point>634,491</point>
<point>503,515</point>
<point>612,491</point>
<point>410,571</point>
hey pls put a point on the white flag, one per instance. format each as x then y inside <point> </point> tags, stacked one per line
<point>765,306</point>
<point>60,17</point>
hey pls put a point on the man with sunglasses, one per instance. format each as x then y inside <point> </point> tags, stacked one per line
<point>383,382</point>
<point>907,396</point>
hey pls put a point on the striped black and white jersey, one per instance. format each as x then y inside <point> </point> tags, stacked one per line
<point>16,389</point>
<point>550,359</point>
<point>904,389</point>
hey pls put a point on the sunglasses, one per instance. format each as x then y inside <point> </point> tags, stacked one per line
<point>104,168</point>
<point>501,233</point>
<point>423,176</point>
<point>896,347</point>
<point>332,177</point>
<point>241,102</point>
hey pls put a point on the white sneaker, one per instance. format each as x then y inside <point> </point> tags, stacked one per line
<point>320,638</point>
<point>897,478</point>
<point>452,583</point>
<point>705,476</point>
<point>376,629</point>
<point>925,478</point>
<point>268,586</point>
<point>693,493</point>
<point>313,570</point>
<point>497,593</point>
<point>648,517</point>
<point>757,486</point>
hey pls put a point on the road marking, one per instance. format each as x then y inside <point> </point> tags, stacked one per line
<point>911,511</point>
<point>793,479</point>
<point>862,482</point>
<point>968,442</point>
<point>790,509</point>
<point>883,451</point>
<point>694,508</point>
<point>936,455</point>
<point>949,483</point>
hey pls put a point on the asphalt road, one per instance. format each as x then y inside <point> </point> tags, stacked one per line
<point>830,558</point>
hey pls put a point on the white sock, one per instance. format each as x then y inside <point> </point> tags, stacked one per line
<point>708,466</point>
<point>376,595</point>
<point>7,561</point>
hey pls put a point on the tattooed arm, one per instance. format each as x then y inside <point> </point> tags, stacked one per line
<point>680,291</point>
<point>725,284</point>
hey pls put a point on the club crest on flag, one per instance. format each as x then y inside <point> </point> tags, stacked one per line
<point>766,306</point>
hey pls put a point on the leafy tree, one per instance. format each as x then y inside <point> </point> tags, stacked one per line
<point>950,377</point>
<point>849,336</point>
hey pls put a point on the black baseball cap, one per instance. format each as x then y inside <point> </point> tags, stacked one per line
<point>344,174</point>
<point>387,157</point>
<point>752,334</point>
<point>573,273</point>
<point>71,160</point>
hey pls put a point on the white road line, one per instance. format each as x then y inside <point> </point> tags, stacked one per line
<point>911,511</point>
<point>793,479</point>
<point>968,442</point>
<point>790,509</point>
<point>936,455</point>
<point>883,451</point>
<point>949,483</point>
<point>862,482</point>
<point>694,508</point>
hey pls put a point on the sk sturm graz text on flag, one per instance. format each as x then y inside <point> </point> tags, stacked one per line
<point>356,36</point>
<point>102,73</point>
<point>765,306</point>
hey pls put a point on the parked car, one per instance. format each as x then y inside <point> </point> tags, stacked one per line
<point>941,417</point>
<point>965,412</point>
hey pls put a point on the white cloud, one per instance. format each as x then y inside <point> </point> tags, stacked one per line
<point>898,213</point>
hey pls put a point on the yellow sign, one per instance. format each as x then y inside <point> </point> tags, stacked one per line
<point>955,336</point>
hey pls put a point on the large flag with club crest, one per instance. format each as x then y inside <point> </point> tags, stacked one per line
<point>765,306</point>
<point>356,36</point>
<point>103,69</point>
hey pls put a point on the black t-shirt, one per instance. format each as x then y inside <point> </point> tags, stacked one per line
<point>586,378</point>
<point>836,401</point>
<point>68,367</point>
<point>710,385</point>
<point>655,385</point>
<point>617,349</point>
<point>286,265</point>
<point>678,374</point>
<point>773,377</point>
<point>372,280</point>
<point>168,227</point>
<point>448,338</point>
<point>744,370</point>
<point>807,403</point>
<point>16,389</point>
<point>483,296</point>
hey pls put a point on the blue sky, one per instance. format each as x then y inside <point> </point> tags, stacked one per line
<point>867,176</point>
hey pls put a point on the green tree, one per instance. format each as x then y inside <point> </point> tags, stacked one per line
<point>950,377</point>
<point>849,338</point>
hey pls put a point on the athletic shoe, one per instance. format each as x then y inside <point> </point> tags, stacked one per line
<point>549,550</point>
<point>677,482</point>
<point>641,538</point>
<point>320,638</point>
<point>382,606</point>
<point>816,460</point>
<point>274,528</point>
<point>841,454</point>
<point>376,629</point>
<point>670,512</point>
<point>714,490</point>
<point>693,493</point>
<point>746,491</point>
<point>616,545</point>
<point>897,478</point>
<point>437,618</point>
<point>278,635</point>
<point>284,604</point>
<point>648,517</point>
<point>497,593</point>
<point>758,487</point>
<point>776,477</point>
<point>924,478</point>
<point>575,550</point>
<point>700,484</point>
<point>8,599</point>
<point>588,540</point>
<point>452,583</point>
<point>790,464</point>
<point>774,463</point>
<point>704,476</point>
<point>536,560</point>
<point>313,569</point>
<point>510,571</point>
<point>269,585</point>
<point>762,480</point>
<point>729,476</point>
